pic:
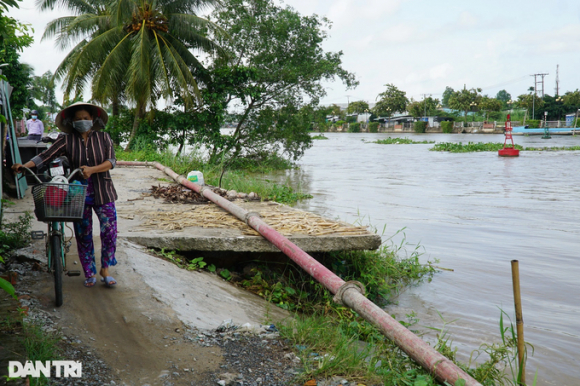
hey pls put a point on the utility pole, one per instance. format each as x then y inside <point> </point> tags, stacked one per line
<point>536,82</point>
<point>557,80</point>
<point>425,96</point>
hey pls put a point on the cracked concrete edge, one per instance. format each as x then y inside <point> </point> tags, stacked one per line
<point>200,299</point>
<point>255,244</point>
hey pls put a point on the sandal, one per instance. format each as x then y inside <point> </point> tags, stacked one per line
<point>90,282</point>
<point>109,281</point>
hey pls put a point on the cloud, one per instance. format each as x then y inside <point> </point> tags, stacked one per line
<point>440,71</point>
<point>351,12</point>
<point>561,40</point>
<point>466,19</point>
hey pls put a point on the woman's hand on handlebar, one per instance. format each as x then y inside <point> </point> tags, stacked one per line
<point>17,168</point>
<point>87,171</point>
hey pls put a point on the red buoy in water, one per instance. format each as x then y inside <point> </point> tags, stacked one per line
<point>508,151</point>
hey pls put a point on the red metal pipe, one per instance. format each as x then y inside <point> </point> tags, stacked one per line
<point>347,293</point>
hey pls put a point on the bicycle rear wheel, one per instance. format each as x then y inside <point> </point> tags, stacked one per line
<point>56,252</point>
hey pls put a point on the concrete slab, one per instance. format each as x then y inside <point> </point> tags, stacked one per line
<point>199,299</point>
<point>153,223</point>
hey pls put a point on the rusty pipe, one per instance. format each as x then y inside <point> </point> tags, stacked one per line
<point>347,293</point>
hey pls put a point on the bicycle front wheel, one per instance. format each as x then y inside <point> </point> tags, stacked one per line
<point>56,252</point>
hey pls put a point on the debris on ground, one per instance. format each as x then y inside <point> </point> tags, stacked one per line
<point>180,194</point>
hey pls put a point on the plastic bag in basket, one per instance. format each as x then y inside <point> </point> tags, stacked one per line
<point>54,196</point>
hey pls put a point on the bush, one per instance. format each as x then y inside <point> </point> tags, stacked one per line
<point>533,123</point>
<point>420,126</point>
<point>16,234</point>
<point>351,119</point>
<point>447,127</point>
<point>354,127</point>
<point>339,123</point>
<point>373,127</point>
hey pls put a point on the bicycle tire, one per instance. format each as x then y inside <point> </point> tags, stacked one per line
<point>56,252</point>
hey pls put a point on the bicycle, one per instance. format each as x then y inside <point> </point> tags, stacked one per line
<point>57,202</point>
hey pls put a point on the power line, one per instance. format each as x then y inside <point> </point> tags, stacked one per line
<point>506,82</point>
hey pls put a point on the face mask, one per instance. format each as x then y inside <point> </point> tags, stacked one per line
<point>34,117</point>
<point>82,126</point>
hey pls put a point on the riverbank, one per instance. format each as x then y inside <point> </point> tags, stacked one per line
<point>157,301</point>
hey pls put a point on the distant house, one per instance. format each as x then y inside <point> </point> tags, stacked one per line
<point>396,119</point>
<point>332,118</point>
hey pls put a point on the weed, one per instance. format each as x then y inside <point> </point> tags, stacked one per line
<point>400,141</point>
<point>182,262</point>
<point>501,366</point>
<point>14,235</point>
<point>226,274</point>
<point>350,348</point>
<point>491,146</point>
<point>196,264</point>
<point>320,136</point>
<point>40,346</point>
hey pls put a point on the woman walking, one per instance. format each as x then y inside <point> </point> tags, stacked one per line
<point>93,151</point>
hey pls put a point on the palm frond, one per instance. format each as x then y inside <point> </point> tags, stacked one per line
<point>56,27</point>
<point>162,68</point>
<point>179,69</point>
<point>140,83</point>
<point>195,30</point>
<point>79,7</point>
<point>113,68</point>
<point>187,6</point>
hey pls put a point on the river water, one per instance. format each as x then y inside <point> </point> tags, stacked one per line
<point>474,212</point>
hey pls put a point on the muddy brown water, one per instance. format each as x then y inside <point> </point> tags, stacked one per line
<point>474,212</point>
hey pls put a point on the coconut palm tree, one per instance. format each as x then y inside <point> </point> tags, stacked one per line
<point>139,49</point>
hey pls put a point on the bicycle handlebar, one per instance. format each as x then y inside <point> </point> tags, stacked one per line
<point>79,170</point>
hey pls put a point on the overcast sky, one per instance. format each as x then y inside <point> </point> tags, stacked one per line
<point>421,46</point>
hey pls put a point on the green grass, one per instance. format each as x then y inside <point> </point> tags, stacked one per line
<point>491,146</point>
<point>319,136</point>
<point>400,141</point>
<point>383,272</point>
<point>40,346</point>
<point>242,181</point>
<point>243,175</point>
<point>331,347</point>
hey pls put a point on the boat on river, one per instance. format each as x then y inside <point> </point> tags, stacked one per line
<point>522,130</point>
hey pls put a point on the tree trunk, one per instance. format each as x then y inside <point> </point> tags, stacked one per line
<point>182,142</point>
<point>139,114</point>
<point>115,106</point>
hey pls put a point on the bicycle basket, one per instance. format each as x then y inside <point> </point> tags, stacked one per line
<point>59,202</point>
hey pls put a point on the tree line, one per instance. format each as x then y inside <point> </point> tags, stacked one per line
<point>394,100</point>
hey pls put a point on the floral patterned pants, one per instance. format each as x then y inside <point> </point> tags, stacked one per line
<point>107,215</point>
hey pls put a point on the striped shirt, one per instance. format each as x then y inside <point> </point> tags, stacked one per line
<point>97,149</point>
